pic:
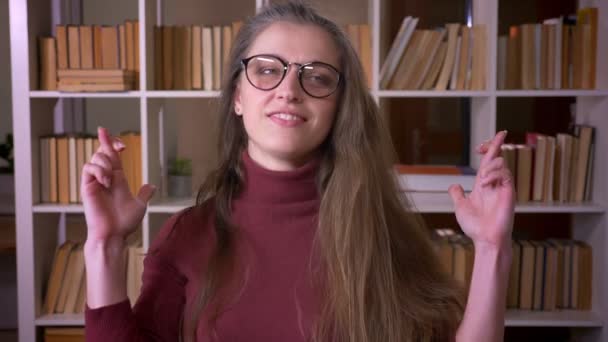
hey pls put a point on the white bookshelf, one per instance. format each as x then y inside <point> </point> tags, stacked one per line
<point>424,202</point>
<point>552,93</point>
<point>167,94</point>
<point>58,208</point>
<point>430,93</point>
<point>37,236</point>
<point>564,318</point>
<point>45,94</point>
<point>60,320</point>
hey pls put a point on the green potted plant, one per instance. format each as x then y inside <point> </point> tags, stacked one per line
<point>180,177</point>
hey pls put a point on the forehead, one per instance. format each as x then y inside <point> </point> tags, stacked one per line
<point>296,43</point>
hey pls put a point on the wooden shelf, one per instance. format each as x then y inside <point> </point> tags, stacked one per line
<point>378,93</point>
<point>60,320</point>
<point>43,94</point>
<point>430,93</point>
<point>58,208</point>
<point>561,318</point>
<point>551,93</point>
<point>424,202</point>
<point>429,202</point>
<point>169,205</point>
<point>181,94</point>
<point>514,318</point>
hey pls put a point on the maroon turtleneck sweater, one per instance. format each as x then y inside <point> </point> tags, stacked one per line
<point>276,216</point>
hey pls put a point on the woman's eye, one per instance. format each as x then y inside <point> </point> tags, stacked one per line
<point>320,79</point>
<point>267,71</point>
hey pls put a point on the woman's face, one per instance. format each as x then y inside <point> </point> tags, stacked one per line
<point>285,125</point>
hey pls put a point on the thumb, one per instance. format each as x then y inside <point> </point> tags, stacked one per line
<point>457,193</point>
<point>146,192</point>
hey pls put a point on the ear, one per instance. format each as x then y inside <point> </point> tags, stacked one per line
<point>238,105</point>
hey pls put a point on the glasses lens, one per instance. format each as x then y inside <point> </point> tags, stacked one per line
<point>319,80</point>
<point>265,72</point>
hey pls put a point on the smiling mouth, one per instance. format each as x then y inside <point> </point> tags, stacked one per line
<point>287,117</point>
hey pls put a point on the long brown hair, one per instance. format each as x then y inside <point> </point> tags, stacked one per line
<point>381,280</point>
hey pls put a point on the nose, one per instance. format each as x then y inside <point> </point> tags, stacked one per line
<point>290,88</point>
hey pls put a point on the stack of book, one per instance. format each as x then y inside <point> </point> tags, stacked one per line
<point>64,335</point>
<point>195,57</point>
<point>192,57</point>
<point>553,169</point>
<point>84,50</point>
<point>66,286</point>
<point>90,80</point>
<point>545,275</point>
<point>454,57</point>
<point>559,53</point>
<point>62,158</point>
<point>550,274</point>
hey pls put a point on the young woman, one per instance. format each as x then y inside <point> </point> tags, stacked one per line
<point>301,233</point>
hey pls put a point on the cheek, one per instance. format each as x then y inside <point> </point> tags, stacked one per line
<point>331,112</point>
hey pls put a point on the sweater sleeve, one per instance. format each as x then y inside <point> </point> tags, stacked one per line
<point>157,313</point>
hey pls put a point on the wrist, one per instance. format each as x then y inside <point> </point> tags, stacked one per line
<point>105,262</point>
<point>501,252</point>
<point>110,246</point>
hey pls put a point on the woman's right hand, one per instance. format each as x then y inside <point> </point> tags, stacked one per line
<point>111,211</point>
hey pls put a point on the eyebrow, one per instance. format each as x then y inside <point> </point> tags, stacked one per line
<point>300,63</point>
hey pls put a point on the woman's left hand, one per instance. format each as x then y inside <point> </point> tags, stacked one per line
<point>486,214</point>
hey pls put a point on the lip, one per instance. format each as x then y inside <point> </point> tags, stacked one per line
<point>286,123</point>
<point>286,111</point>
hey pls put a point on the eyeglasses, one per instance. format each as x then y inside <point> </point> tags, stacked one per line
<point>266,72</point>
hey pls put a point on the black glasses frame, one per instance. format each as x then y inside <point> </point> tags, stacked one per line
<point>245,62</point>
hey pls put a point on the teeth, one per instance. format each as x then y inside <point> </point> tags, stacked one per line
<point>287,117</point>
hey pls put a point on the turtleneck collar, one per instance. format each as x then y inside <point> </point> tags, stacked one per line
<point>279,187</point>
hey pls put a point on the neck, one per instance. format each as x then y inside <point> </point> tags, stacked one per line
<point>279,163</point>
<point>279,187</point>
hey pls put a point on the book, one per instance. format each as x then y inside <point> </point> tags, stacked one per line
<point>61,35</point>
<point>397,50</point>
<point>64,334</point>
<point>73,45</point>
<point>86,46</point>
<point>122,42</point>
<point>524,172</point>
<point>97,73</point>
<point>56,278</point>
<point>448,65</point>
<point>208,56</point>
<point>110,58</point>
<point>585,138</point>
<point>197,55</point>
<point>48,63</point>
